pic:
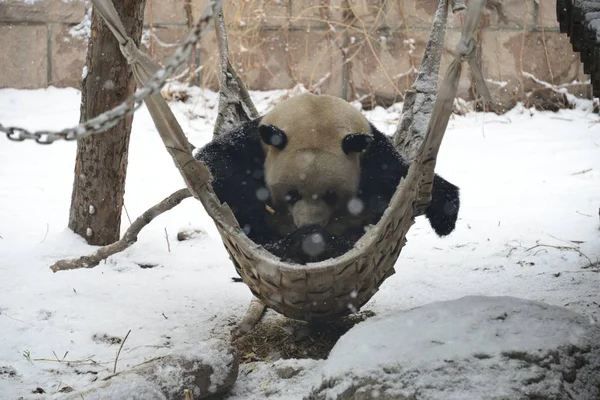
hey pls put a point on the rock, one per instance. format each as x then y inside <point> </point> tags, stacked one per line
<point>188,234</point>
<point>7,371</point>
<point>505,95</point>
<point>474,347</point>
<point>106,339</point>
<point>287,372</point>
<point>261,380</point>
<point>207,370</point>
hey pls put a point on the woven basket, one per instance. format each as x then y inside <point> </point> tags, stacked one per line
<point>334,287</point>
<point>339,286</point>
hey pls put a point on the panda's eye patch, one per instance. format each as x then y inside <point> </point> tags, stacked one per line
<point>330,197</point>
<point>292,196</point>
<point>356,142</point>
<point>273,136</point>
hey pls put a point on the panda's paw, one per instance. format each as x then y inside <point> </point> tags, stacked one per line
<point>443,224</point>
<point>442,212</point>
<point>310,244</point>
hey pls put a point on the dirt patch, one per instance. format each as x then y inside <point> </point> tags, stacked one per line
<point>281,338</point>
<point>6,371</point>
<point>106,339</point>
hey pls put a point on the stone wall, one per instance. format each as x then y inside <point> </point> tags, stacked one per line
<point>342,47</point>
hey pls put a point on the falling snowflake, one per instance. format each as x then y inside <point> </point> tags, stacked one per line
<point>109,85</point>
<point>355,206</point>
<point>313,244</point>
<point>262,194</point>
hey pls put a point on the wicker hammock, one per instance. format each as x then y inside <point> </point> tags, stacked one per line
<point>338,286</point>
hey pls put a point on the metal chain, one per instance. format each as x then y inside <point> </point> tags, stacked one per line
<point>110,118</point>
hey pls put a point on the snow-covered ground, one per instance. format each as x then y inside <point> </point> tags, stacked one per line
<point>530,193</point>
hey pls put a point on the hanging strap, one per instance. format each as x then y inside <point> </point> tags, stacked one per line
<point>143,68</point>
<point>195,174</point>
<point>235,104</point>
<point>428,150</point>
<point>420,99</point>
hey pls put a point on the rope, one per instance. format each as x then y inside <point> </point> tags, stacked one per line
<point>427,148</point>
<point>420,99</point>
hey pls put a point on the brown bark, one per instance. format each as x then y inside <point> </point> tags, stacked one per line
<point>101,163</point>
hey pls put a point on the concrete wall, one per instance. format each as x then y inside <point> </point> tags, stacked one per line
<point>355,47</point>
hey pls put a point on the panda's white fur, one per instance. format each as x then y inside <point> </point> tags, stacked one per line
<point>312,163</point>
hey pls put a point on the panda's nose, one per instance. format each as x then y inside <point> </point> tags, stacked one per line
<point>307,213</point>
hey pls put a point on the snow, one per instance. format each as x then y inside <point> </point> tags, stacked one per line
<point>528,225</point>
<point>481,335</point>
<point>446,330</point>
<point>131,387</point>
<point>83,30</point>
<point>500,84</point>
<point>280,380</point>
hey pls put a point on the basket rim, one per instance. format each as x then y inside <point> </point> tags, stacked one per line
<point>408,185</point>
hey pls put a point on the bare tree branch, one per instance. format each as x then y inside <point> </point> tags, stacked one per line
<point>253,314</point>
<point>128,239</point>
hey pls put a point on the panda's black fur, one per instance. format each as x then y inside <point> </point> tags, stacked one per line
<point>236,161</point>
<point>381,169</point>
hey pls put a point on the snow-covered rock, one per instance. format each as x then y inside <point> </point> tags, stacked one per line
<point>472,348</point>
<point>207,370</point>
<point>279,380</point>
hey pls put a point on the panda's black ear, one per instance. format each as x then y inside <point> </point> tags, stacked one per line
<point>273,136</point>
<point>356,142</point>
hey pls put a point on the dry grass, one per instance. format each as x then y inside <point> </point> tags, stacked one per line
<point>319,45</point>
<point>277,337</point>
<point>365,51</point>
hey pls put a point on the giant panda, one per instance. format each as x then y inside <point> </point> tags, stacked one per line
<point>307,178</point>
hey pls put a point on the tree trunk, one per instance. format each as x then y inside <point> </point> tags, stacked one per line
<point>101,164</point>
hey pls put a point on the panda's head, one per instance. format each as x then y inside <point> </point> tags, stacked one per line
<point>313,146</point>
